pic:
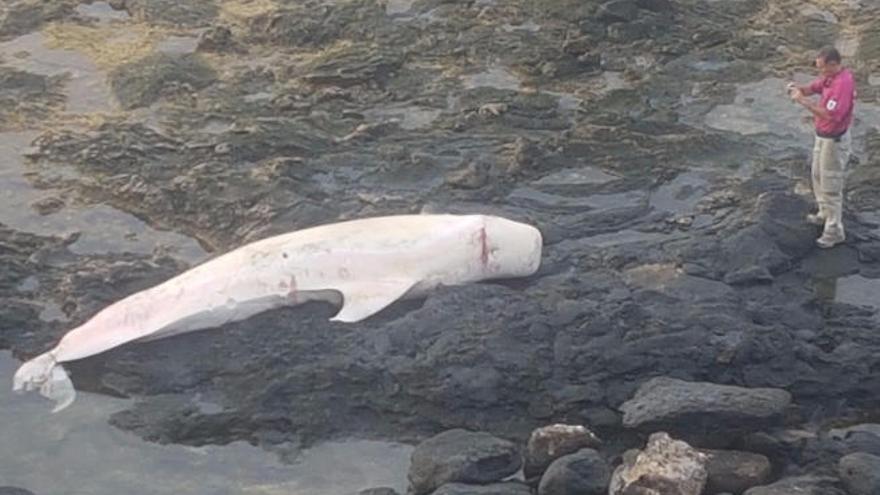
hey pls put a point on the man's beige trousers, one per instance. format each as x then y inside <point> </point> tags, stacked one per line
<point>829,173</point>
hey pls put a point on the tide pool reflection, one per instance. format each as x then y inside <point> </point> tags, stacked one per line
<point>855,290</point>
<point>77,451</point>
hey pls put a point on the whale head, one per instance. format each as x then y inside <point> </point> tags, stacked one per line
<point>510,248</point>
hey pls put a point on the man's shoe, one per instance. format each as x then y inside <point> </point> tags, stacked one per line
<point>830,240</point>
<point>816,219</point>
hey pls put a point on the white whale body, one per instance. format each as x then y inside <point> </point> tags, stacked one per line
<point>363,264</point>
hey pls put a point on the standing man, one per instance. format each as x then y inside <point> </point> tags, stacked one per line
<point>833,115</point>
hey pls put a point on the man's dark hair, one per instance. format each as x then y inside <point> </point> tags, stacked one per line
<point>829,54</point>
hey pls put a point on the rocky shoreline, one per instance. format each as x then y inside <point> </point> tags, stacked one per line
<point>649,140</point>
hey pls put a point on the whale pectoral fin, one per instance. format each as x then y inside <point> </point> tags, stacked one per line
<point>360,301</point>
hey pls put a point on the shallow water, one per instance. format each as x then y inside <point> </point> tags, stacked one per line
<point>623,237</point>
<point>857,290</point>
<point>681,194</point>
<point>77,451</point>
<point>394,7</point>
<point>102,11</point>
<point>529,26</point>
<point>574,177</point>
<point>409,117</point>
<point>103,229</point>
<point>493,77</point>
<point>178,45</point>
<point>762,109</point>
<point>86,89</point>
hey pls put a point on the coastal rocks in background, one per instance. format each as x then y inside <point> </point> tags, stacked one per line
<point>584,472</point>
<point>663,466</point>
<point>801,485</point>
<point>352,66</point>
<point>860,473</point>
<point>472,176</point>
<point>27,98</point>
<point>19,17</point>
<point>142,82</point>
<point>748,275</point>
<point>733,471</point>
<point>702,407</point>
<point>551,442</point>
<point>461,456</point>
<point>618,11</point>
<point>217,39</point>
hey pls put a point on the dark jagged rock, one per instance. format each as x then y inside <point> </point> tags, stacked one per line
<point>217,39</point>
<point>859,438</point>
<point>618,11</point>
<point>142,82</point>
<point>860,473</point>
<point>695,406</point>
<point>353,66</point>
<point>734,471</point>
<point>583,472</point>
<point>19,17</point>
<point>27,98</point>
<point>461,456</point>
<point>297,25</point>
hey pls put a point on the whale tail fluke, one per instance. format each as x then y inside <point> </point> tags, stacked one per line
<point>45,374</point>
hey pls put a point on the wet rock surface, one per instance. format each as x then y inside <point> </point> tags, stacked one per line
<point>650,141</point>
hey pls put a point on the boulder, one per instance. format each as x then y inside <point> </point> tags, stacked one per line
<point>735,471</point>
<point>860,473</point>
<point>461,456</point>
<point>665,466</point>
<point>696,406</point>
<point>552,442</point>
<point>581,473</point>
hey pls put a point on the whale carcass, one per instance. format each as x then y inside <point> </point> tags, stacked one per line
<point>364,265</point>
